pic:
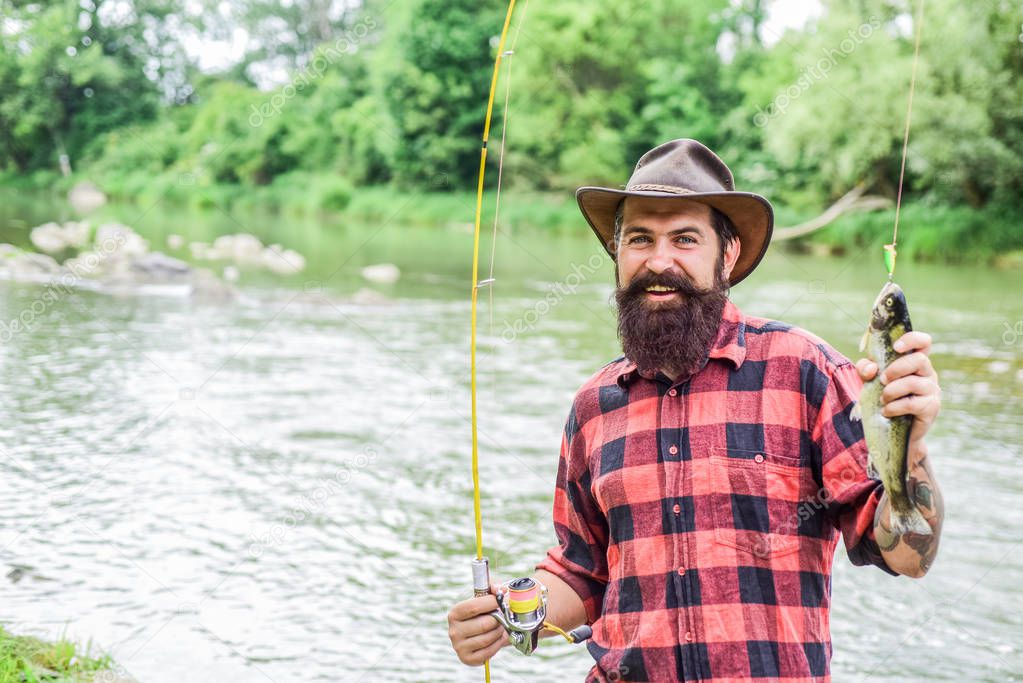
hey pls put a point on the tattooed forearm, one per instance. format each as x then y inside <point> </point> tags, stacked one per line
<point>911,553</point>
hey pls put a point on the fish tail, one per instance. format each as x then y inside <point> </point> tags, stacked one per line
<point>910,521</point>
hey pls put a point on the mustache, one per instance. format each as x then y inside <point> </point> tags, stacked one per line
<point>676,336</point>
<point>671,279</point>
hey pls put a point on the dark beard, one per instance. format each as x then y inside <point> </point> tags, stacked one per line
<point>674,336</point>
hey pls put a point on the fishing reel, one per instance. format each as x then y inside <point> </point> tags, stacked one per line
<point>521,609</point>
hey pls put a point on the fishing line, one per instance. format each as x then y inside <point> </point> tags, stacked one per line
<point>500,172</point>
<point>504,136</point>
<point>889,249</point>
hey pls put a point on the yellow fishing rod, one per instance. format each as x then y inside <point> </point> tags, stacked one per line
<point>522,602</point>
<point>480,569</point>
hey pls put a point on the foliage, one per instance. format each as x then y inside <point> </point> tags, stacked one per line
<point>598,83</point>
<point>436,92</point>
<point>842,117</point>
<point>71,72</point>
<point>393,91</point>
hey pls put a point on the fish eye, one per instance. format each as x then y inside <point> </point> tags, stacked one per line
<point>888,302</point>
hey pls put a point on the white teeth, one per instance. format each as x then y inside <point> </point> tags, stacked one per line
<point>659,288</point>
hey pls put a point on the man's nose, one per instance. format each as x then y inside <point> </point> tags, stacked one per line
<point>660,260</point>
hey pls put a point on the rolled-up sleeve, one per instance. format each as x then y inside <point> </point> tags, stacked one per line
<point>853,496</point>
<point>580,558</point>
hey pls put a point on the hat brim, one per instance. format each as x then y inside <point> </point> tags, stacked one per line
<point>751,214</point>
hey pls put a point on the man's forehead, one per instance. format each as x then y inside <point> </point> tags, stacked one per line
<point>635,207</point>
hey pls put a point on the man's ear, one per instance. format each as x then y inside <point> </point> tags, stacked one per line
<point>731,256</point>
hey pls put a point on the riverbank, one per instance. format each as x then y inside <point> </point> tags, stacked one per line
<point>928,232</point>
<point>26,658</point>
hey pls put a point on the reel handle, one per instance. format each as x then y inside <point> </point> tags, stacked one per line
<point>581,633</point>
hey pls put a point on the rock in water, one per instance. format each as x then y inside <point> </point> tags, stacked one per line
<point>243,249</point>
<point>283,261</point>
<point>53,238</point>
<point>16,264</point>
<point>368,297</point>
<point>160,266</point>
<point>116,239</point>
<point>86,197</point>
<point>382,273</point>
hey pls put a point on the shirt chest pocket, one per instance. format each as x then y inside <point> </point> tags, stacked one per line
<point>756,501</point>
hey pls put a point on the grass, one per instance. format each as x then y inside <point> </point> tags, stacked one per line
<point>25,659</point>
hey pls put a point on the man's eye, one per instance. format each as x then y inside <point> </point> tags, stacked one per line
<point>637,238</point>
<point>687,239</point>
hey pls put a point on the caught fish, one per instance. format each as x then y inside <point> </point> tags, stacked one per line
<point>888,438</point>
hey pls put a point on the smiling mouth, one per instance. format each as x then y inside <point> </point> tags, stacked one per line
<point>660,291</point>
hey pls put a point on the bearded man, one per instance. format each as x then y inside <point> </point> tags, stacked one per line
<point>706,476</point>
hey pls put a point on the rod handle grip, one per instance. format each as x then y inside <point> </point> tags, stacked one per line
<point>480,577</point>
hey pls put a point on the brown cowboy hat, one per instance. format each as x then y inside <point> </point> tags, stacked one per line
<point>686,168</point>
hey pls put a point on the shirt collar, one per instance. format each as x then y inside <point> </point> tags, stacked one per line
<point>730,344</point>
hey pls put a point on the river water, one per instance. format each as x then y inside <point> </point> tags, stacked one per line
<point>277,489</point>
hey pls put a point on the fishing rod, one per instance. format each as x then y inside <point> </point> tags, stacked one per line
<point>522,602</point>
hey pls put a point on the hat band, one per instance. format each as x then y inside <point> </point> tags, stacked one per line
<point>659,188</point>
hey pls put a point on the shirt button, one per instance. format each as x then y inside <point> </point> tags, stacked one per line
<point>673,450</point>
<point>681,571</point>
<point>677,509</point>
<point>672,392</point>
<point>759,457</point>
<point>689,635</point>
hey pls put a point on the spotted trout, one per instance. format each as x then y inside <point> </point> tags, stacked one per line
<point>888,438</point>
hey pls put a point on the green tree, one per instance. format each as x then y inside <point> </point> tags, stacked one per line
<point>829,129</point>
<point>436,93</point>
<point>70,77</point>
<point>600,82</point>
<point>281,37</point>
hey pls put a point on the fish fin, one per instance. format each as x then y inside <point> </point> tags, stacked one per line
<point>910,522</point>
<point>856,414</point>
<point>871,470</point>
<point>865,339</point>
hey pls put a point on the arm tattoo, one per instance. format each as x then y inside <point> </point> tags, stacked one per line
<point>886,540</point>
<point>922,494</point>
<point>926,495</point>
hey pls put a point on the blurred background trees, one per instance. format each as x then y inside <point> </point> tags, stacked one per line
<point>393,91</point>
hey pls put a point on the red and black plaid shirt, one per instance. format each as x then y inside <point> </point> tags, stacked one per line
<point>698,520</point>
